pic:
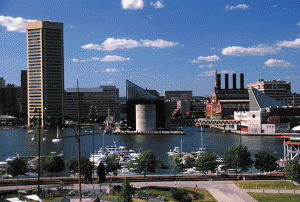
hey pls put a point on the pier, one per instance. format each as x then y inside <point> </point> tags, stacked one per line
<point>175,132</point>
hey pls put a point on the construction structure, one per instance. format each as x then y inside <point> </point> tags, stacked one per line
<point>45,70</point>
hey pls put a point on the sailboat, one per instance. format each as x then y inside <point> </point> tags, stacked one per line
<point>58,138</point>
<point>44,138</point>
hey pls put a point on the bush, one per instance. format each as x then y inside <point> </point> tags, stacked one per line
<point>196,195</point>
<point>186,198</point>
<point>178,194</point>
<point>117,188</point>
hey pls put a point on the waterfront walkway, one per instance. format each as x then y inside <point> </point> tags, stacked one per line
<point>220,190</point>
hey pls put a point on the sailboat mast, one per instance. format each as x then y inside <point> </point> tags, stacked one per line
<point>78,140</point>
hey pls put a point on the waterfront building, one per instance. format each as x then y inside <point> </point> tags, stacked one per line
<point>10,100</point>
<point>98,100</point>
<point>2,83</point>
<point>45,70</point>
<point>23,93</point>
<point>277,89</point>
<point>225,101</point>
<point>145,111</point>
<point>267,115</point>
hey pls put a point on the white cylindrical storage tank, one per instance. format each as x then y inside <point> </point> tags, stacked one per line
<point>145,117</point>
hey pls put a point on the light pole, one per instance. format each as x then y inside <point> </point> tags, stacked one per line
<point>39,152</point>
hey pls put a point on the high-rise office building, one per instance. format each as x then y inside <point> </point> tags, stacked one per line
<point>2,83</point>
<point>45,70</point>
<point>23,92</point>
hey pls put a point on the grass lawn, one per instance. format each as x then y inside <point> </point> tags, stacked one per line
<point>116,197</point>
<point>207,195</point>
<point>168,195</point>
<point>267,185</point>
<point>275,197</point>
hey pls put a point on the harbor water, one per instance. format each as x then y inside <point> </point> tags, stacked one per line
<point>17,141</point>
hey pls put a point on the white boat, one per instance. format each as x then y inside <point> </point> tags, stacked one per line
<point>30,132</point>
<point>174,152</point>
<point>114,149</point>
<point>58,138</point>
<point>33,138</point>
<point>44,139</point>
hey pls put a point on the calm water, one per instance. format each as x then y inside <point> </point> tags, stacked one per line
<point>17,141</point>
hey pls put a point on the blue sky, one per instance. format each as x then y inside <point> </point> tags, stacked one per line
<point>162,45</point>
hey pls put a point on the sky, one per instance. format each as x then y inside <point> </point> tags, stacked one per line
<point>163,45</point>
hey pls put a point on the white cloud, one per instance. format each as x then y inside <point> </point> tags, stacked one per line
<point>132,4</point>
<point>226,72</point>
<point>298,23</point>
<point>150,16</point>
<point>201,66</point>
<point>277,63</point>
<point>210,65</point>
<point>208,73</point>
<point>158,43</point>
<point>255,50</point>
<point>290,44</point>
<point>95,58</point>
<point>110,70</point>
<point>14,24</point>
<point>108,58</point>
<point>158,4</point>
<point>71,26</point>
<point>209,58</point>
<point>113,44</point>
<point>113,58</point>
<point>239,6</point>
<point>91,46</point>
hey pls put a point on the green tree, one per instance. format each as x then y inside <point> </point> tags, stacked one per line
<point>147,162</point>
<point>265,161</point>
<point>53,163</point>
<point>112,164</point>
<point>292,170</point>
<point>189,162</point>
<point>237,157</point>
<point>175,163</point>
<point>72,165</point>
<point>130,164</point>
<point>161,165</point>
<point>101,172</point>
<point>17,167</point>
<point>86,166</point>
<point>207,161</point>
<point>126,192</point>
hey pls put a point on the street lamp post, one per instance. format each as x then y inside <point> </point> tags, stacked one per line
<point>39,152</point>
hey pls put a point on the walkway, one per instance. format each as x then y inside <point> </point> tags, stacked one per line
<point>220,190</point>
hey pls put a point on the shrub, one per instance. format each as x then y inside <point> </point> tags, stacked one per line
<point>197,196</point>
<point>178,194</point>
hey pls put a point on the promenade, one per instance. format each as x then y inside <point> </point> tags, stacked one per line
<point>221,190</point>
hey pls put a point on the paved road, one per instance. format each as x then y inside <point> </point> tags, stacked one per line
<point>220,190</point>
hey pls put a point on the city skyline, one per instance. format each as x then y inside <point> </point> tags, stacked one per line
<point>162,45</point>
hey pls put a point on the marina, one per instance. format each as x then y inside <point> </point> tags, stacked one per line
<point>17,141</point>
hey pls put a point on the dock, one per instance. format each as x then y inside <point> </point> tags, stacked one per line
<point>172,132</point>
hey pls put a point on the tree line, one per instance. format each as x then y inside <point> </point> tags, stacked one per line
<point>236,157</point>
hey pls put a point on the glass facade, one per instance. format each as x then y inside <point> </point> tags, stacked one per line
<point>134,92</point>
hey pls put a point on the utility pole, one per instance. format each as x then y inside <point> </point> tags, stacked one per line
<point>78,142</point>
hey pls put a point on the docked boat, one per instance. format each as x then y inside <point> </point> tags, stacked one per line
<point>58,138</point>
<point>30,132</point>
